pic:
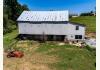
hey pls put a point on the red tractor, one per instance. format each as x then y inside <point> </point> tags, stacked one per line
<point>17,54</point>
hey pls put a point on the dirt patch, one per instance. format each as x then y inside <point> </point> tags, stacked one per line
<point>36,62</point>
<point>32,60</point>
<point>30,66</point>
<point>40,67</point>
<point>26,43</point>
<point>93,34</point>
<point>26,66</point>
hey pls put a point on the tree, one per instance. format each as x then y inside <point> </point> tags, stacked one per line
<point>5,19</point>
<point>12,10</point>
<point>87,14</point>
<point>24,7</point>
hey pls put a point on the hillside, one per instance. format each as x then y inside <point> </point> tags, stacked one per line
<point>89,21</point>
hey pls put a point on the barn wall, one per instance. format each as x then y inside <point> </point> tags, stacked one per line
<point>72,31</point>
<point>52,29</point>
<point>26,28</point>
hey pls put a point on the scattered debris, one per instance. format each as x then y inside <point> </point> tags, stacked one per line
<point>80,44</point>
<point>61,44</point>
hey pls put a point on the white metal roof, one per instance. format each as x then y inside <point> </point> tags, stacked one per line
<point>44,16</point>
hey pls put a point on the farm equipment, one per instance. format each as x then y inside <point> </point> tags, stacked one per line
<point>17,54</point>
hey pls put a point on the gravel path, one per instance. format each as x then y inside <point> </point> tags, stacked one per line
<point>91,42</point>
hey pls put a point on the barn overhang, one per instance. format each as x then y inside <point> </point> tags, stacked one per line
<point>51,22</point>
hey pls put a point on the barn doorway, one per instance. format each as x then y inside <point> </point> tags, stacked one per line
<point>55,37</point>
<point>43,37</point>
<point>60,37</point>
<point>50,37</point>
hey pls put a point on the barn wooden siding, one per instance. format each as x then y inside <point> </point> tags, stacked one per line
<point>51,29</point>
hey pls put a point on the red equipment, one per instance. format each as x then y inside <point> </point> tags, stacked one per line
<point>17,54</point>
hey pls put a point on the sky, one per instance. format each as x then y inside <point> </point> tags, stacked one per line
<point>74,6</point>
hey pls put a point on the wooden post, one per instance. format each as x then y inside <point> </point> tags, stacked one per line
<point>54,38</point>
<point>65,40</point>
<point>43,37</point>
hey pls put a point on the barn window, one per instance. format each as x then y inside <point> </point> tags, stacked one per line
<point>77,27</point>
<point>78,36</point>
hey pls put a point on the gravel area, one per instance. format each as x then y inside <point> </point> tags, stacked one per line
<point>91,42</point>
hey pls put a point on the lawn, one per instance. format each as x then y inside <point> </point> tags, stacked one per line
<point>89,21</point>
<point>9,38</point>
<point>50,56</point>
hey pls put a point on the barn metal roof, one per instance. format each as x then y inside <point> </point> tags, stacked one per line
<point>44,16</point>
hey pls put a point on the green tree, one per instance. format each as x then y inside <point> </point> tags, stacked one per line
<point>12,10</point>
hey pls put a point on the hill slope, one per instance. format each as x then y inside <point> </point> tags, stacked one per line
<point>89,21</point>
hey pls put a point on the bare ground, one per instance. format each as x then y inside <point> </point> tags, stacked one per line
<point>31,61</point>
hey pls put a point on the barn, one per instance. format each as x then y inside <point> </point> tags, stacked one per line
<point>49,25</point>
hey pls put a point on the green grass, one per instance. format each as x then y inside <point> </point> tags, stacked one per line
<point>9,38</point>
<point>70,57</point>
<point>49,46</point>
<point>89,21</point>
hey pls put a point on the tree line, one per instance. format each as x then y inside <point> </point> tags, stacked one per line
<point>12,10</point>
<point>91,13</point>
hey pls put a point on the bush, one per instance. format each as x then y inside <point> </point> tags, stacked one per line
<point>10,26</point>
<point>7,30</point>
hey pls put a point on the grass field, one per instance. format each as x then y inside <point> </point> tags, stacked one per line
<point>89,21</point>
<point>9,38</point>
<point>50,56</point>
